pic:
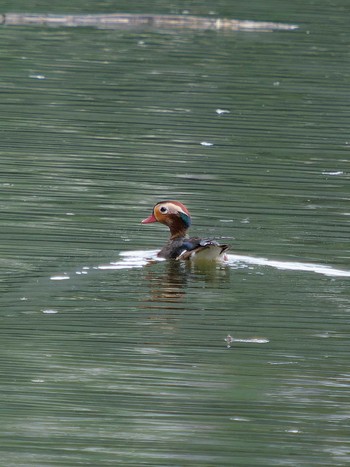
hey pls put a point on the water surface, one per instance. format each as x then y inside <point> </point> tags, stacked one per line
<point>109,359</point>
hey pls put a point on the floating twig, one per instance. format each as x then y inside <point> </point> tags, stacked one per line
<point>125,20</point>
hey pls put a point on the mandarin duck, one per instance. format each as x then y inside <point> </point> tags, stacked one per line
<point>176,216</point>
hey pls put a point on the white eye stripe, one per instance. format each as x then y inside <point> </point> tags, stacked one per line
<point>170,208</point>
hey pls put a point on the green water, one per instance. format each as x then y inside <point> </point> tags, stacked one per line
<point>106,360</point>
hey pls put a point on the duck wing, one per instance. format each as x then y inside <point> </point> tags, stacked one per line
<point>198,248</point>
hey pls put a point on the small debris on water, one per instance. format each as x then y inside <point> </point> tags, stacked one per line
<point>37,76</point>
<point>50,312</point>
<point>253,340</point>
<point>59,278</point>
<point>222,111</point>
<point>335,173</point>
<point>240,419</point>
<point>229,340</point>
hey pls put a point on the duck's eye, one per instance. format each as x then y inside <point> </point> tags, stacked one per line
<point>163,209</point>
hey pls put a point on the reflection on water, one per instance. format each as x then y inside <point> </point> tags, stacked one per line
<point>166,287</point>
<point>170,285</point>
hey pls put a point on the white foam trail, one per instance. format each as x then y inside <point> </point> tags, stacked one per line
<point>289,265</point>
<point>132,259</point>
<point>140,258</point>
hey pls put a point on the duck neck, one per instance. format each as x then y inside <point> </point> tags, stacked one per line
<point>177,229</point>
<point>175,234</point>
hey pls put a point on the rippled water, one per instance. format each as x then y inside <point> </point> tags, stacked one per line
<point>112,357</point>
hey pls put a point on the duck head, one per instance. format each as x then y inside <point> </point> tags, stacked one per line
<point>173,214</point>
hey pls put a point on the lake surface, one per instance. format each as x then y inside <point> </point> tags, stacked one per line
<point>108,358</point>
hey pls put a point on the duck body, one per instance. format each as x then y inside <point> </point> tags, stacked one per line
<point>177,218</point>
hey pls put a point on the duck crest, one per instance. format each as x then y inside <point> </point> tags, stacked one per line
<point>186,219</point>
